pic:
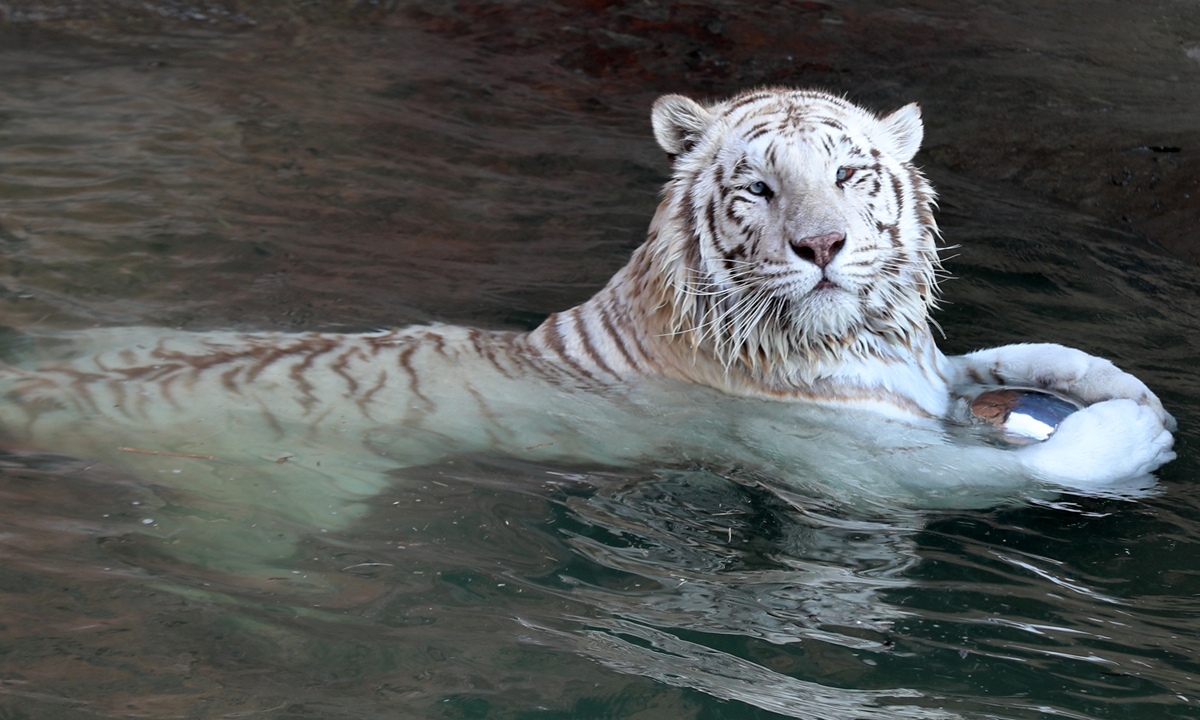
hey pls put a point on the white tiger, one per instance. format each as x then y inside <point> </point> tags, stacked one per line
<point>791,266</point>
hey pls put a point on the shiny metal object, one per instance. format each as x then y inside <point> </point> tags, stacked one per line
<point>1022,416</point>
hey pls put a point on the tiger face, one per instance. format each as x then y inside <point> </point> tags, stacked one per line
<point>796,224</point>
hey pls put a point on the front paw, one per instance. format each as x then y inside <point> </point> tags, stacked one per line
<point>1101,380</point>
<point>1103,443</point>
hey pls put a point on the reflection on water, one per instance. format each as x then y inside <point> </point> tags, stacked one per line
<point>347,179</point>
<point>503,586</point>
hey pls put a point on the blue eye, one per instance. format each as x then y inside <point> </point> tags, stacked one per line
<point>759,188</point>
<point>844,174</point>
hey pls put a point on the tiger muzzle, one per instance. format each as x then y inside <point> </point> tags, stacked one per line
<point>819,249</point>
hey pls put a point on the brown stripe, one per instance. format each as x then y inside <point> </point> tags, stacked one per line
<point>893,232</point>
<point>439,342</point>
<point>757,130</point>
<point>79,386</point>
<point>267,358</point>
<point>165,388</point>
<point>691,254</point>
<point>898,189</point>
<point>558,344</point>
<point>650,359</point>
<point>685,200</point>
<point>710,219</point>
<point>487,351</point>
<point>379,342</point>
<point>730,214</point>
<point>339,366</point>
<point>618,340</point>
<point>297,374</point>
<point>229,379</point>
<point>532,360</point>
<point>414,383</point>
<point>995,371</point>
<point>745,100</point>
<point>733,253</point>
<point>740,168</point>
<point>588,346</point>
<point>367,398</point>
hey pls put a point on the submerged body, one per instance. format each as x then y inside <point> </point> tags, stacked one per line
<point>775,320</point>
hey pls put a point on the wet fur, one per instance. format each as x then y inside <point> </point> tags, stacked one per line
<point>717,297</point>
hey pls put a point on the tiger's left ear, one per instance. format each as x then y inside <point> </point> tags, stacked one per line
<point>904,131</point>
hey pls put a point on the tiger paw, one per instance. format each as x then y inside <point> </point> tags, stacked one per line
<point>1105,381</point>
<point>1103,443</point>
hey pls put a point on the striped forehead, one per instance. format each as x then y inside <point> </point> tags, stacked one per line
<point>796,127</point>
<point>792,109</point>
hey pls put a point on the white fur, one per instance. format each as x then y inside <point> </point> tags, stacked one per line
<point>903,132</point>
<point>1102,444</point>
<point>1123,433</point>
<point>891,364</point>
<point>672,361</point>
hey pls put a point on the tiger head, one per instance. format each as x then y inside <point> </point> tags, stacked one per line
<point>795,229</point>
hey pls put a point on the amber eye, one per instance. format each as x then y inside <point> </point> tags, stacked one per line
<point>844,174</point>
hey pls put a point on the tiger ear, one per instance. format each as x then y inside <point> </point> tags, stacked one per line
<point>678,123</point>
<point>904,131</point>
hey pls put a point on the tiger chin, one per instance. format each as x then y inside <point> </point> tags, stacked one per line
<point>777,317</point>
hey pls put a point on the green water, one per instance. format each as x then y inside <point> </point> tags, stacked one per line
<point>349,177</point>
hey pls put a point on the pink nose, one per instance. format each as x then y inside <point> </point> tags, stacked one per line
<point>819,249</point>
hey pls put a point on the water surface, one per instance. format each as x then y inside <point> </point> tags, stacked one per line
<point>348,177</point>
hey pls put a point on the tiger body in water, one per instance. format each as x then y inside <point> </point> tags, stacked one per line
<point>776,317</point>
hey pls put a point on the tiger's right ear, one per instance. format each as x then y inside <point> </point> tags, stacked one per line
<point>678,123</point>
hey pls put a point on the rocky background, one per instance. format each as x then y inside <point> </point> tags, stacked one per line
<point>1093,104</point>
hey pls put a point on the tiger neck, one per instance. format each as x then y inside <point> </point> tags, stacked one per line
<point>630,329</point>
